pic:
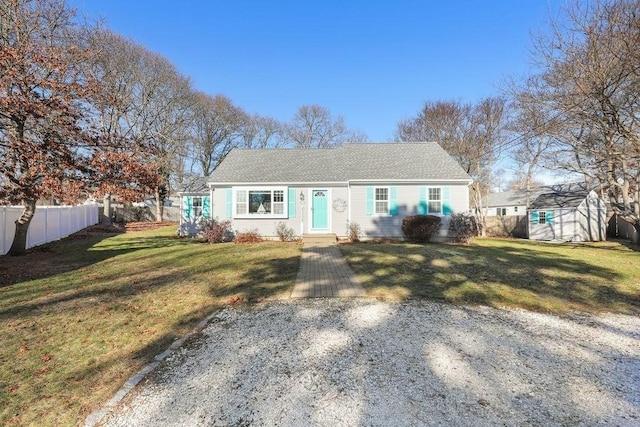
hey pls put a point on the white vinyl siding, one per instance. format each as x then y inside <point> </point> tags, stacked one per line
<point>404,200</point>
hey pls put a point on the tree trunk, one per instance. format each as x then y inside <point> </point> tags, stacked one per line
<point>106,215</point>
<point>19,245</point>
<point>159,205</point>
<point>636,226</point>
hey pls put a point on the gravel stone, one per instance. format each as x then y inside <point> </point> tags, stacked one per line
<point>362,362</point>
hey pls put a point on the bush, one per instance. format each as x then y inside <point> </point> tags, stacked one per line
<point>209,229</point>
<point>462,227</point>
<point>214,230</point>
<point>354,231</point>
<point>248,237</point>
<point>420,228</point>
<point>286,234</point>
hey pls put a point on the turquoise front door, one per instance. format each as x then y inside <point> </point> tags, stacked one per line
<point>320,214</point>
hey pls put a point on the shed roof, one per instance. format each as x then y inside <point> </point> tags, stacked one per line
<point>370,161</point>
<point>197,184</point>
<point>558,200</point>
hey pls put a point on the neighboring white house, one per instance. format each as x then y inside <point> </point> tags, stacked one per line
<point>321,191</point>
<point>575,216</point>
<point>507,203</point>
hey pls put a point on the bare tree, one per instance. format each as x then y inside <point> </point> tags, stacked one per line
<point>471,134</point>
<point>535,127</point>
<point>591,80</point>
<point>263,132</point>
<point>313,126</point>
<point>146,100</point>
<point>217,127</point>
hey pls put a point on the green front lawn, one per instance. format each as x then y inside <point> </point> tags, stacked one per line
<point>80,316</point>
<point>503,273</point>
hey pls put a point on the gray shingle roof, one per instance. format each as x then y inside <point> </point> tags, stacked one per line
<point>519,197</point>
<point>196,185</point>
<point>371,161</point>
<point>559,200</point>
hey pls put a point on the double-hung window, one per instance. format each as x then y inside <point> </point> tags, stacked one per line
<point>197,207</point>
<point>256,202</point>
<point>382,200</point>
<point>434,201</point>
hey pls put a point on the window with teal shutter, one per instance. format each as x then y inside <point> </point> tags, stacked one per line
<point>393,201</point>
<point>533,217</point>
<point>446,201</point>
<point>549,217</point>
<point>206,206</point>
<point>422,201</point>
<point>370,201</point>
<point>229,202</point>
<point>187,204</point>
<point>292,202</point>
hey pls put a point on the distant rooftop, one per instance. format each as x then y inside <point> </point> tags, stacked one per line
<point>519,197</point>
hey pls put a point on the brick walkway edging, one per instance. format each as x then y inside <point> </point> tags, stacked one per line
<point>97,416</point>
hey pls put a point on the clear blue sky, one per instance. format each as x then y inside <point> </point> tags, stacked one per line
<point>373,62</point>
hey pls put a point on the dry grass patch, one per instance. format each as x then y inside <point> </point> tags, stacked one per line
<point>501,272</point>
<point>80,316</point>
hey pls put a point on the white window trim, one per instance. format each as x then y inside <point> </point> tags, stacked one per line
<point>540,215</point>
<point>429,200</point>
<point>200,207</point>
<point>247,215</point>
<point>381,214</point>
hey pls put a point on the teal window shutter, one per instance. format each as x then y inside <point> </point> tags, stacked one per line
<point>206,206</point>
<point>534,217</point>
<point>292,202</point>
<point>446,201</point>
<point>229,202</point>
<point>393,201</point>
<point>550,217</point>
<point>422,201</point>
<point>188,204</point>
<point>370,200</point>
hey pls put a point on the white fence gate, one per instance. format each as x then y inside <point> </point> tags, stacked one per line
<point>48,224</point>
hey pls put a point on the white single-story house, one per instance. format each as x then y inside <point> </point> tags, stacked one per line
<point>322,191</point>
<point>575,216</point>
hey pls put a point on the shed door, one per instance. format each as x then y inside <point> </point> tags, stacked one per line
<point>320,215</point>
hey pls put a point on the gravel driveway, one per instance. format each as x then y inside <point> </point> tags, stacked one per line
<point>362,362</point>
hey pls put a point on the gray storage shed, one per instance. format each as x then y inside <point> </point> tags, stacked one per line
<point>572,216</point>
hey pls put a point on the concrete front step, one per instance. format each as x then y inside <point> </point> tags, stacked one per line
<point>319,238</point>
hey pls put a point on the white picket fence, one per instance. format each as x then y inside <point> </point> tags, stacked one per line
<point>48,224</point>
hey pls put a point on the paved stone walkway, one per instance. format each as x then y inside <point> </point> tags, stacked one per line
<point>325,273</point>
